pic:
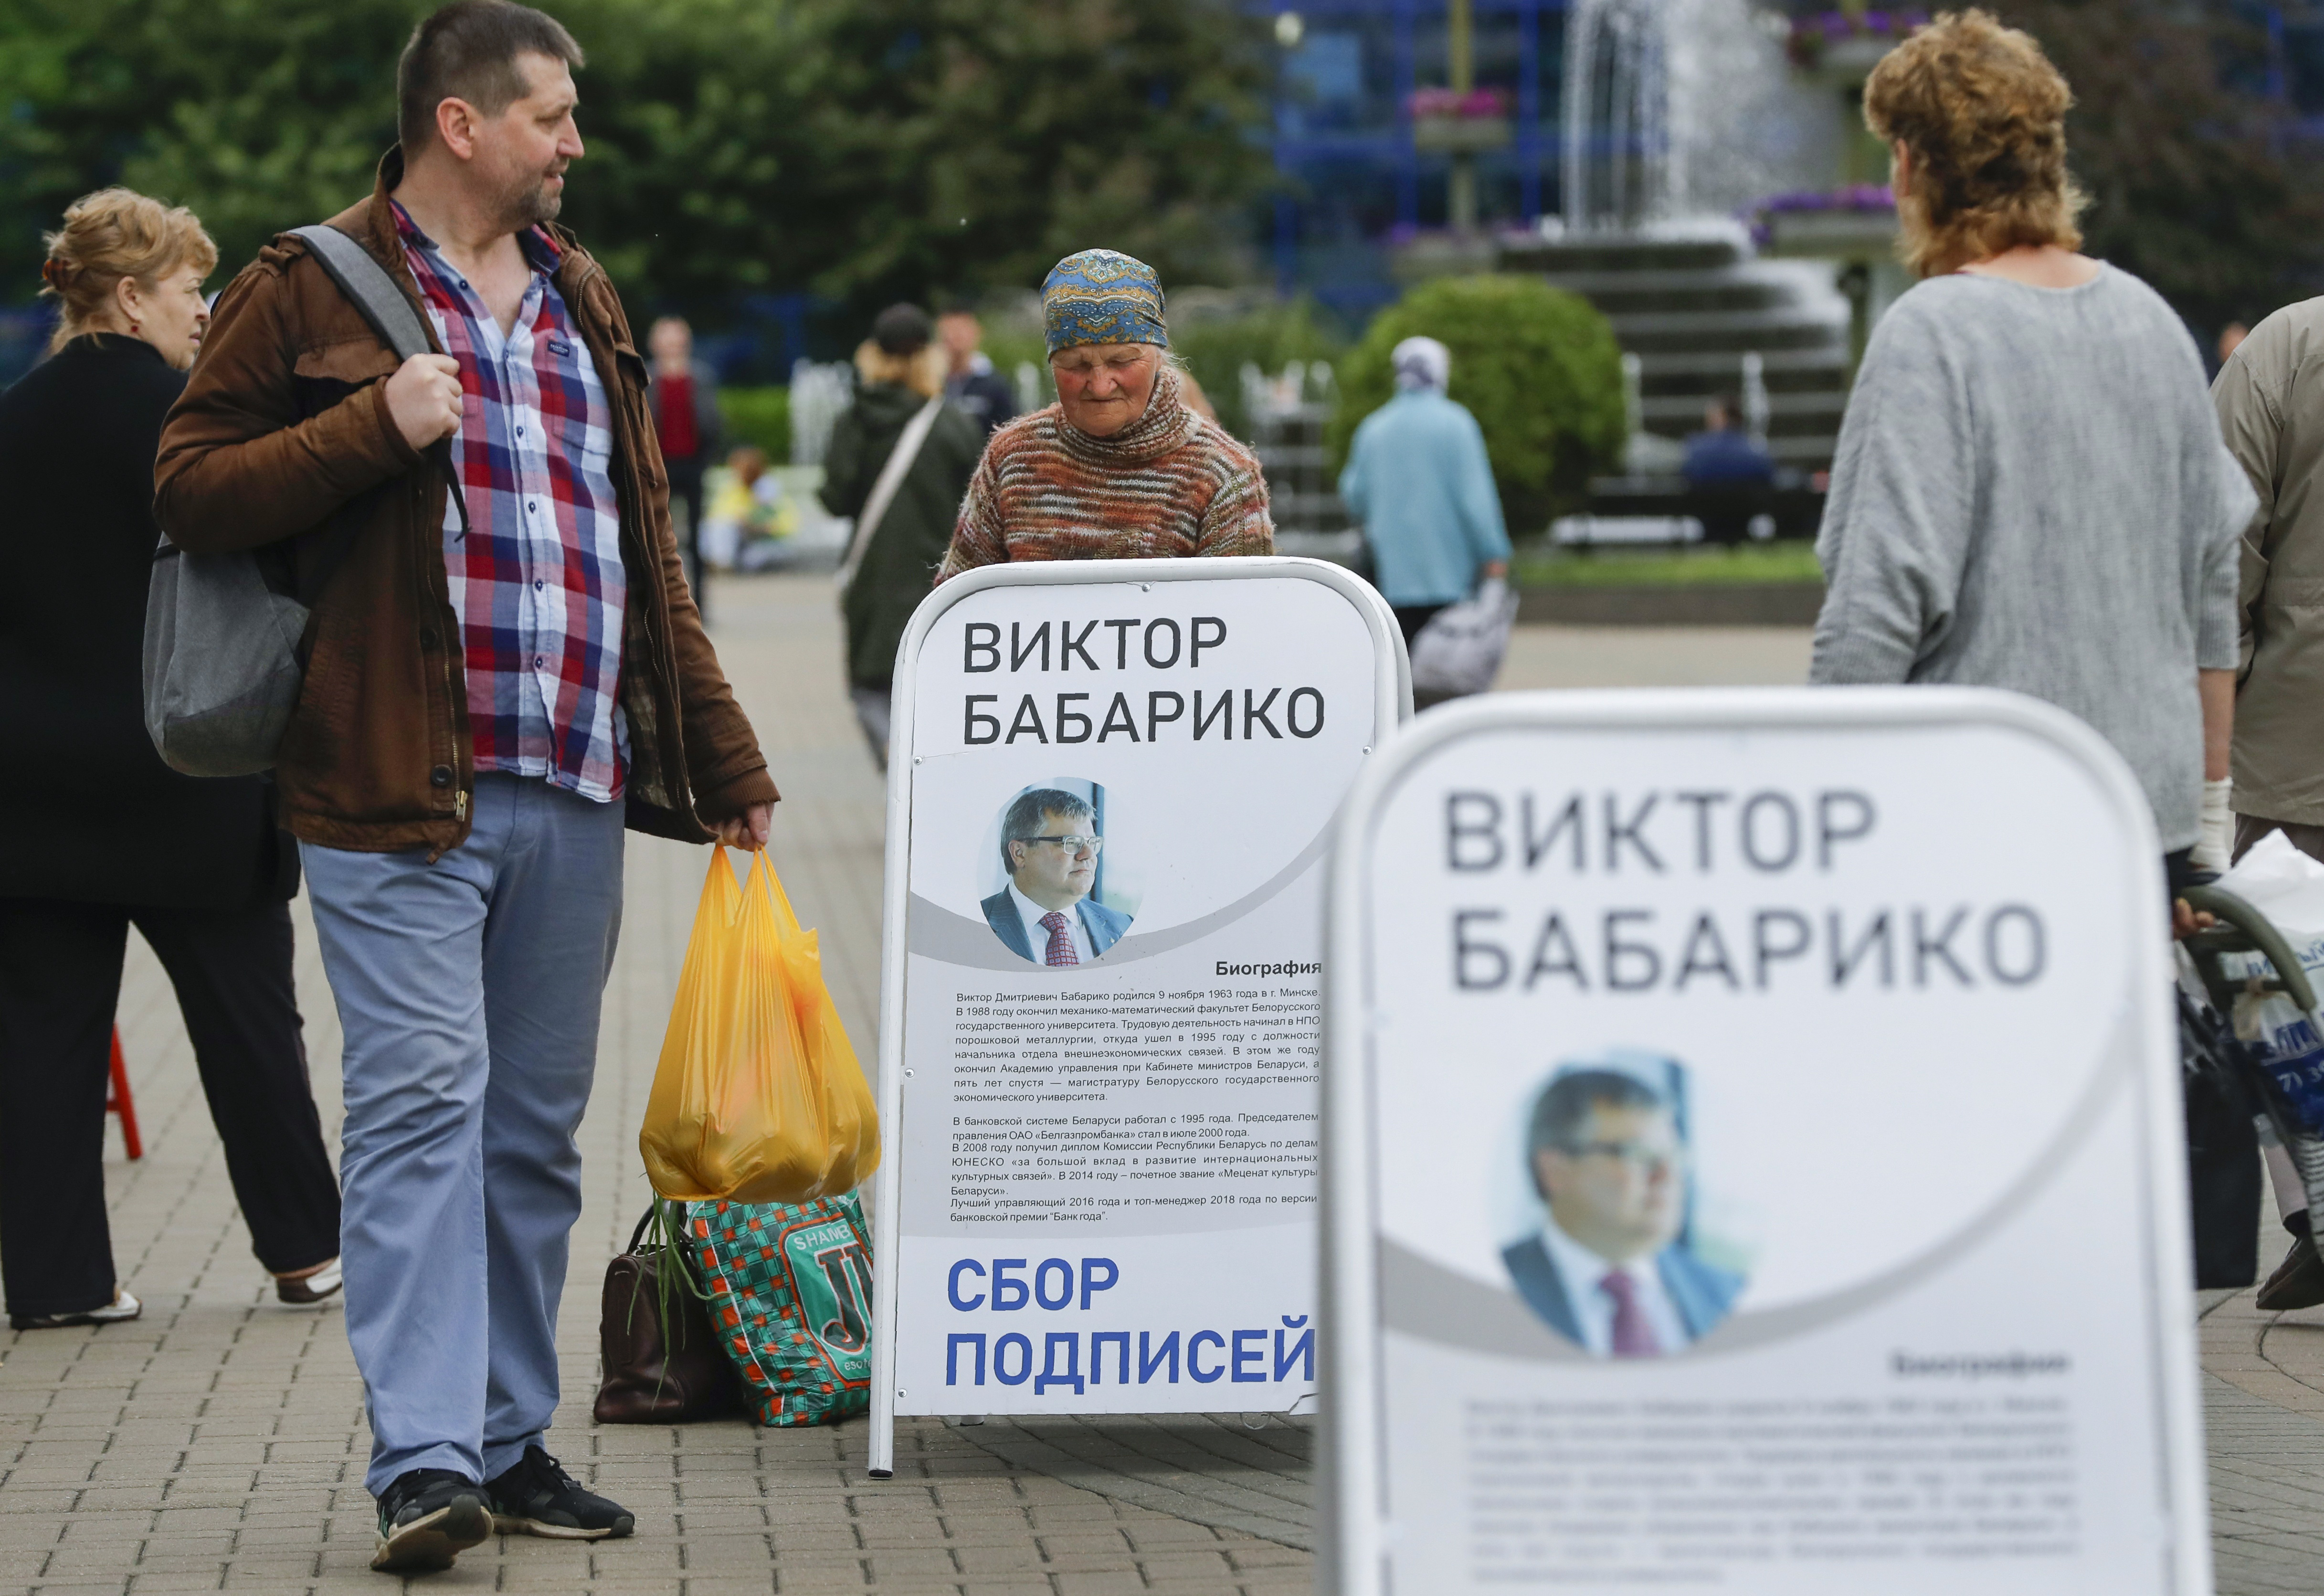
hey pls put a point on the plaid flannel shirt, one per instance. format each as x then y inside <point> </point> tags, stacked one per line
<point>538,582</point>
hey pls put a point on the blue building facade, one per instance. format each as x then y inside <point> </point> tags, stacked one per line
<point>1355,180</point>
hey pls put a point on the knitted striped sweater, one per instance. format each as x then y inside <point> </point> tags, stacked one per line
<point>1169,484</point>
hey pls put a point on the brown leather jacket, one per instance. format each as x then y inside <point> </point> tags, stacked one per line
<point>285,421</point>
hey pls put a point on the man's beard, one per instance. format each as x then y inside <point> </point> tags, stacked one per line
<point>532,204</point>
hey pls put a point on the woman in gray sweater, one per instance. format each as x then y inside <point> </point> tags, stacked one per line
<point>2031,490</point>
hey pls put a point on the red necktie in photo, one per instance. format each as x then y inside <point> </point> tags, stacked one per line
<point>1633,1336</point>
<point>1061,941</point>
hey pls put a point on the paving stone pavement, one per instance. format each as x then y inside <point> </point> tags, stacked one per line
<point>1252,1473</point>
<point>218,1442</point>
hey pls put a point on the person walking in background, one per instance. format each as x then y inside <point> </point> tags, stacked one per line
<point>1120,467</point>
<point>506,664</point>
<point>97,833</point>
<point>2031,491</point>
<point>684,394</point>
<point>970,380</point>
<point>900,457</point>
<point>1728,476</point>
<point>1418,479</point>
<point>2269,397</point>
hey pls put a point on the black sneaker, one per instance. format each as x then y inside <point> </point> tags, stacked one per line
<point>427,1516</point>
<point>2298,1281</point>
<point>538,1497</point>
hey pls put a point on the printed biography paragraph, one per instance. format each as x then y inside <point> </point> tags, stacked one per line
<point>1078,1047</point>
<point>1070,1105</point>
<point>1661,1492</point>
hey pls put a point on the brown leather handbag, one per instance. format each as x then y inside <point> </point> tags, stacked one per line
<point>663,1362</point>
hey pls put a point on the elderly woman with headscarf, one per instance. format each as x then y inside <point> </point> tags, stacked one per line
<point>1120,467</point>
<point>1418,480</point>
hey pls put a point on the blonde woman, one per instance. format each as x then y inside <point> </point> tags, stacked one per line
<point>2031,491</point>
<point>900,371</point>
<point>97,835</point>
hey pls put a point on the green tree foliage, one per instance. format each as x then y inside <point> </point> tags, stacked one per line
<point>867,151</point>
<point>261,114</point>
<point>2197,184</point>
<point>1538,366</point>
<point>969,144</point>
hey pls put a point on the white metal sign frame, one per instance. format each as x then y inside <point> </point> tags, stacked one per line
<point>1392,698</point>
<point>1356,1537</point>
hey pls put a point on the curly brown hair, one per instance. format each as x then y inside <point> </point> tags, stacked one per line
<point>1983,114</point>
<point>110,234</point>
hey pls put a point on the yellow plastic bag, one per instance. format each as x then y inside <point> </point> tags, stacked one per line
<point>758,1097</point>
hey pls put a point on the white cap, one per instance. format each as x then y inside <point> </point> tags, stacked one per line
<point>1422,363</point>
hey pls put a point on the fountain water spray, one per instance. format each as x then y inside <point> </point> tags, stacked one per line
<point>1683,109</point>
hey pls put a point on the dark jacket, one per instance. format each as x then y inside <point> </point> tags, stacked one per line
<point>94,815</point>
<point>986,396</point>
<point>709,420</point>
<point>1104,926</point>
<point>1701,1293</point>
<point>1725,458</point>
<point>900,565</point>
<point>284,422</point>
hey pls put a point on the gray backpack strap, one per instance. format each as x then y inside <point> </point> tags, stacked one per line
<point>367,285</point>
<point>365,281</point>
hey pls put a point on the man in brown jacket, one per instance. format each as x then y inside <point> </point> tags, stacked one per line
<point>506,665</point>
<point>2270,399</point>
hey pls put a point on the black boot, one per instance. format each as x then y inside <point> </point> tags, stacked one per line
<point>2299,1280</point>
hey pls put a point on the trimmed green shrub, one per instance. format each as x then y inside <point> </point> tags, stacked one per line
<point>1215,349</point>
<point>1538,366</point>
<point>760,416</point>
<point>1009,350</point>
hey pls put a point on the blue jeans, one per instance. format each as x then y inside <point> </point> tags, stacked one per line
<point>468,992</point>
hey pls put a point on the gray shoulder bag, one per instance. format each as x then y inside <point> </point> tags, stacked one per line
<point>225,650</point>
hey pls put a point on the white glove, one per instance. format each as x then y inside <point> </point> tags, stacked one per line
<point>2216,845</point>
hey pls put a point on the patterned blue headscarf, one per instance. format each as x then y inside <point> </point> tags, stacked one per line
<point>1100,296</point>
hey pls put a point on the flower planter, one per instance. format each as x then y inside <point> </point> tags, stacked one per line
<point>1461,135</point>
<point>1832,235</point>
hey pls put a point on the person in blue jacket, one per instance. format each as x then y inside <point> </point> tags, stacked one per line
<point>1049,845</point>
<point>1722,454</point>
<point>1727,475</point>
<point>1418,479</point>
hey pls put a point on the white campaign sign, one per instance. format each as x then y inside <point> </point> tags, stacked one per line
<point>1100,1089</point>
<point>1753,1155</point>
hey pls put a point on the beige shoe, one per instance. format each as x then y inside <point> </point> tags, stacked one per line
<point>305,1290</point>
<point>120,1310</point>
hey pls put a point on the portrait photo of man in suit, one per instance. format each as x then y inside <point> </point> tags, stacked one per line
<point>1609,1269</point>
<point>1050,848</point>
